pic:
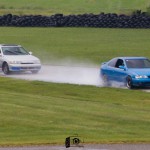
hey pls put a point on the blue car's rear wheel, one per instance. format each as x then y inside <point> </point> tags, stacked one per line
<point>129,83</point>
<point>105,80</point>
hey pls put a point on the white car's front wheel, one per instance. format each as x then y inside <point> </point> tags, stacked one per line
<point>5,68</point>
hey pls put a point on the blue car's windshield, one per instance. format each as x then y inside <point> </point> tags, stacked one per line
<point>138,63</point>
<point>14,51</point>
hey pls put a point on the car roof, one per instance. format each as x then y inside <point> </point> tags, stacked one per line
<point>136,57</point>
<point>2,45</point>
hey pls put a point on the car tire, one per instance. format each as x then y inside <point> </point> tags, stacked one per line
<point>5,68</point>
<point>105,80</point>
<point>129,84</point>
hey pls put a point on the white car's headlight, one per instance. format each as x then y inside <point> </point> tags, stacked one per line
<point>14,62</point>
<point>141,76</point>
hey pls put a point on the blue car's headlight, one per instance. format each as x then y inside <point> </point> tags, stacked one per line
<point>141,76</point>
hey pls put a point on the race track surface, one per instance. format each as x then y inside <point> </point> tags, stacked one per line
<point>86,147</point>
<point>81,75</point>
<point>64,74</point>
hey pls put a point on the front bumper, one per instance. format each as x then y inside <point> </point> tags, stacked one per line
<point>141,82</point>
<point>24,67</point>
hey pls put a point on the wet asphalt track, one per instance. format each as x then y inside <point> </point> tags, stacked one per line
<point>81,75</point>
<point>86,147</point>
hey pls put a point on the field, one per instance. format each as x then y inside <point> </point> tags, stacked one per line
<point>34,112</point>
<point>48,7</point>
<point>85,44</point>
<point>46,113</point>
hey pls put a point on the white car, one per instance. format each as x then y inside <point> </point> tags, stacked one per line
<point>14,58</point>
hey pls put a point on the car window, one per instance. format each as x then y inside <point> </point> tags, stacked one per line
<point>147,63</point>
<point>138,63</point>
<point>14,51</point>
<point>112,63</point>
<point>119,63</point>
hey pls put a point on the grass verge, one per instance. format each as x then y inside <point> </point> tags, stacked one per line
<point>82,44</point>
<point>41,113</point>
<point>45,7</point>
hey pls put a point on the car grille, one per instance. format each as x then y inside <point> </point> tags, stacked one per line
<point>26,63</point>
<point>29,68</point>
<point>146,84</point>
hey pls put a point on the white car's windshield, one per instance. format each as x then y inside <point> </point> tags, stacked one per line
<point>138,63</point>
<point>14,51</point>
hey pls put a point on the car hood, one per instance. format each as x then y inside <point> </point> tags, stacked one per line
<point>22,58</point>
<point>145,71</point>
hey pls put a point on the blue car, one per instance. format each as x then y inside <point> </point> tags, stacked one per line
<point>131,71</point>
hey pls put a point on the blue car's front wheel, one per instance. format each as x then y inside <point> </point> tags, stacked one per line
<point>129,83</point>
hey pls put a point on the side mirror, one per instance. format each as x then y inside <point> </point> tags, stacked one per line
<point>30,53</point>
<point>122,67</point>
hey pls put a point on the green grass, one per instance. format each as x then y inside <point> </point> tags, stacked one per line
<point>33,112</point>
<point>82,44</point>
<point>47,7</point>
<point>41,113</point>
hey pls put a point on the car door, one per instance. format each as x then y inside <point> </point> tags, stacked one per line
<point>111,68</point>
<point>119,74</point>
